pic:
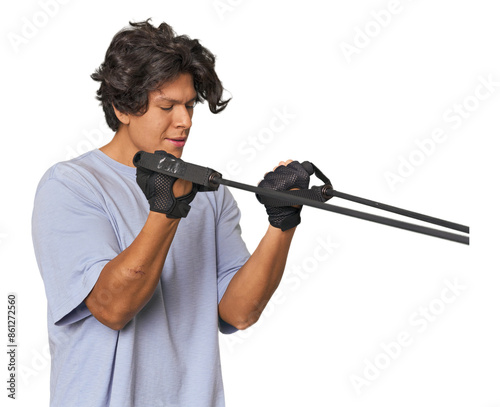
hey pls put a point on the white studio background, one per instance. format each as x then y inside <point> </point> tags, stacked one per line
<point>396,101</point>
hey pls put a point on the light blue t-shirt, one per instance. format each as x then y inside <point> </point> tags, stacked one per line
<point>88,210</point>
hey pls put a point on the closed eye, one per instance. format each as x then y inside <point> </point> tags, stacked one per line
<point>190,106</point>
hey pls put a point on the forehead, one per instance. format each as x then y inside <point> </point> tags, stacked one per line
<point>180,90</point>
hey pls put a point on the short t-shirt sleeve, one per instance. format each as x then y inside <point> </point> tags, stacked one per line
<point>73,240</point>
<point>232,252</point>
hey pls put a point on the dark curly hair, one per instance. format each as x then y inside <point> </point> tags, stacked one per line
<point>142,58</point>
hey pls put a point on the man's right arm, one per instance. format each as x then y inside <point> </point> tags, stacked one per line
<point>128,281</point>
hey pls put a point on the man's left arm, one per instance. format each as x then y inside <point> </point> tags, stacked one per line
<point>253,285</point>
<point>255,282</point>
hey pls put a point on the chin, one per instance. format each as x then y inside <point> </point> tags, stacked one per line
<point>177,153</point>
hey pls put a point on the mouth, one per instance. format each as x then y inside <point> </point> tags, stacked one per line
<point>177,142</point>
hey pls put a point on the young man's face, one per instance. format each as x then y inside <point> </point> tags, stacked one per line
<point>166,124</point>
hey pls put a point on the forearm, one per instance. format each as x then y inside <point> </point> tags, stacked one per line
<point>253,285</point>
<point>128,281</point>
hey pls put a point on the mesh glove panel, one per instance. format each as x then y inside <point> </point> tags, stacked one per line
<point>285,178</point>
<point>158,191</point>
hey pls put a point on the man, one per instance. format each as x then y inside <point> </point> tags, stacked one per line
<point>140,269</point>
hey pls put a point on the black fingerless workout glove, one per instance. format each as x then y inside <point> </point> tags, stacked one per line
<point>285,178</point>
<point>158,190</point>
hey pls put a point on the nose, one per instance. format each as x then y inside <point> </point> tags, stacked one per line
<point>182,118</point>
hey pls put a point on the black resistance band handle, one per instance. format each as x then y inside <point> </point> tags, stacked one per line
<point>178,168</point>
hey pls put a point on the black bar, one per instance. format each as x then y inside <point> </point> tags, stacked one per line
<point>404,212</point>
<point>346,211</point>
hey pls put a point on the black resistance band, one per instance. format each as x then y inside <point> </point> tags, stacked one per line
<point>209,180</point>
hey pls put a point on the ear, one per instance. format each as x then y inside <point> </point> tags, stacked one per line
<point>123,117</point>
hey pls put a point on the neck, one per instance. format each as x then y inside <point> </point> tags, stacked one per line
<point>120,148</point>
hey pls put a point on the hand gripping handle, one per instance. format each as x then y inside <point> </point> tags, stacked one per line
<point>315,193</point>
<point>175,167</point>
